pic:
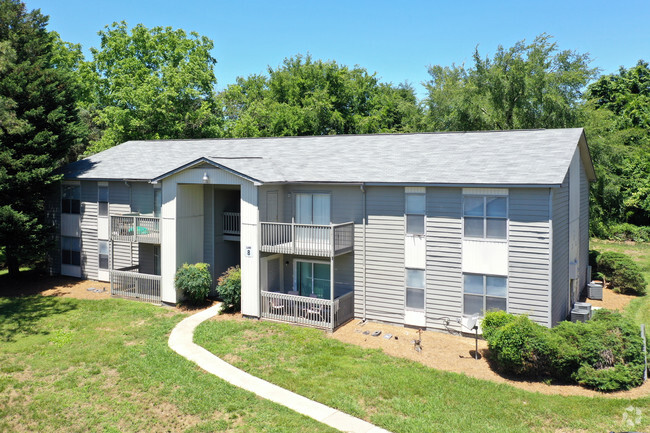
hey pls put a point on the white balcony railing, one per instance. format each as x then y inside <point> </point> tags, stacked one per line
<point>231,223</point>
<point>128,283</point>
<point>135,229</point>
<point>307,239</point>
<point>319,313</point>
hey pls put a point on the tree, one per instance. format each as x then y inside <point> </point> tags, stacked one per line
<point>617,122</point>
<point>38,127</point>
<point>313,97</point>
<point>526,86</point>
<point>151,84</point>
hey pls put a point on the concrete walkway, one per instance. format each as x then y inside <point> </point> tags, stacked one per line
<point>181,342</point>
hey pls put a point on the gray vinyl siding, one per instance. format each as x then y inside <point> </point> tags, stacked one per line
<point>121,254</point>
<point>528,253</point>
<point>444,256</point>
<point>53,212</point>
<point>346,202</point>
<point>208,231</point>
<point>142,197</point>
<point>583,258</point>
<point>89,245</point>
<point>560,277</point>
<point>119,198</point>
<point>384,256</point>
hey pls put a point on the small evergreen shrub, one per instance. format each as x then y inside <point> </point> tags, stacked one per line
<point>622,272</point>
<point>629,232</point>
<point>494,320</point>
<point>194,281</point>
<point>605,353</point>
<point>522,347</point>
<point>229,287</point>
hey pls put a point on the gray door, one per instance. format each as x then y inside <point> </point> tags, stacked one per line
<point>273,275</point>
<point>272,206</point>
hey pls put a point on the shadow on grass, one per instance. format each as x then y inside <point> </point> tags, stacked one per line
<point>32,282</point>
<point>20,316</point>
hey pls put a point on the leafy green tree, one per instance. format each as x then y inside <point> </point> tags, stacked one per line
<point>313,97</point>
<point>617,122</point>
<point>38,127</point>
<point>151,84</point>
<point>526,86</point>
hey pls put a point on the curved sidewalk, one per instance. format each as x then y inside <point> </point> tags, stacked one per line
<point>181,342</point>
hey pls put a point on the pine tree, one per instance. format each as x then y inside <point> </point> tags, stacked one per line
<point>38,126</point>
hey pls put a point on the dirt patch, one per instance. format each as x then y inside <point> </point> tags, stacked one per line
<point>448,352</point>
<point>612,300</point>
<point>32,283</point>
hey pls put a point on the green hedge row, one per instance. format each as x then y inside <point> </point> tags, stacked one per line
<point>605,353</point>
<point>620,270</point>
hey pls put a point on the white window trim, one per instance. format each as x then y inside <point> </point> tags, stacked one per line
<point>507,297</point>
<point>485,217</point>
<point>295,271</point>
<point>424,214</point>
<point>311,192</point>
<point>424,289</point>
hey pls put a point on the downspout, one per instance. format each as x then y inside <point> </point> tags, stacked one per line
<point>365,220</point>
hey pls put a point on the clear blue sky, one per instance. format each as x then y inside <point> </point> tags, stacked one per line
<point>395,39</point>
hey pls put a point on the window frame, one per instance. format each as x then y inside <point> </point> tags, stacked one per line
<point>295,195</point>
<point>408,214</point>
<point>99,254</point>
<point>69,254</point>
<point>102,205</point>
<point>484,295</point>
<point>296,280</point>
<point>71,205</point>
<point>423,289</point>
<point>485,218</point>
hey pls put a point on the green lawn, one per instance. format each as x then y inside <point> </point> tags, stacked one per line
<point>78,366</point>
<point>639,309</point>
<point>401,395</point>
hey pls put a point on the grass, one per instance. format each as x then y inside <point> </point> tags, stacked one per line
<point>77,366</point>
<point>397,394</point>
<point>639,308</point>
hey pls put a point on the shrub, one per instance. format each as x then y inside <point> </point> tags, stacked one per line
<point>229,287</point>
<point>522,347</point>
<point>194,281</point>
<point>494,320</point>
<point>618,377</point>
<point>629,232</point>
<point>622,272</point>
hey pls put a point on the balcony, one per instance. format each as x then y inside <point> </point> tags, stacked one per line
<point>314,312</point>
<point>307,239</point>
<point>231,226</point>
<point>135,228</point>
<point>129,283</point>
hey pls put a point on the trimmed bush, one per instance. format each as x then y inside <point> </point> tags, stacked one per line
<point>605,353</point>
<point>194,282</point>
<point>494,320</point>
<point>229,287</point>
<point>622,272</point>
<point>522,347</point>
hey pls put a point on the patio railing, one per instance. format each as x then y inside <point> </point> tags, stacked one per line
<point>126,283</point>
<point>307,239</point>
<point>135,229</point>
<point>315,312</point>
<point>231,223</point>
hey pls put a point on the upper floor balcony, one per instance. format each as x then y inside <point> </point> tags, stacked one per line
<point>135,228</point>
<point>307,239</point>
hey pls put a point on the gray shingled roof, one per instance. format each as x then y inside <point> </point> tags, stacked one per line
<point>520,157</point>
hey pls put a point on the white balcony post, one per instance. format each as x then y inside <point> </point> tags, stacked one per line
<point>332,292</point>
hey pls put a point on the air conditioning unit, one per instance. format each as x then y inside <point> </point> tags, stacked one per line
<point>595,291</point>
<point>581,312</point>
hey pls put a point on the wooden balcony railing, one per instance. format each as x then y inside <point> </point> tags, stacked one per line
<point>307,239</point>
<point>135,229</point>
<point>319,313</point>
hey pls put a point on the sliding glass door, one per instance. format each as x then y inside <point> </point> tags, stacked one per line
<point>313,278</point>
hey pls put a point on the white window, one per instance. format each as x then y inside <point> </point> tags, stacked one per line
<point>70,251</point>
<point>102,200</point>
<point>482,293</point>
<point>103,254</point>
<point>415,210</point>
<point>415,284</point>
<point>485,217</point>
<point>313,279</point>
<point>71,199</point>
<point>313,209</point>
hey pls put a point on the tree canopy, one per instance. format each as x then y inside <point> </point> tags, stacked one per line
<point>38,127</point>
<point>314,97</point>
<point>151,84</point>
<point>530,85</point>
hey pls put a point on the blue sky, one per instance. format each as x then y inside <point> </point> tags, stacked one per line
<point>397,40</point>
